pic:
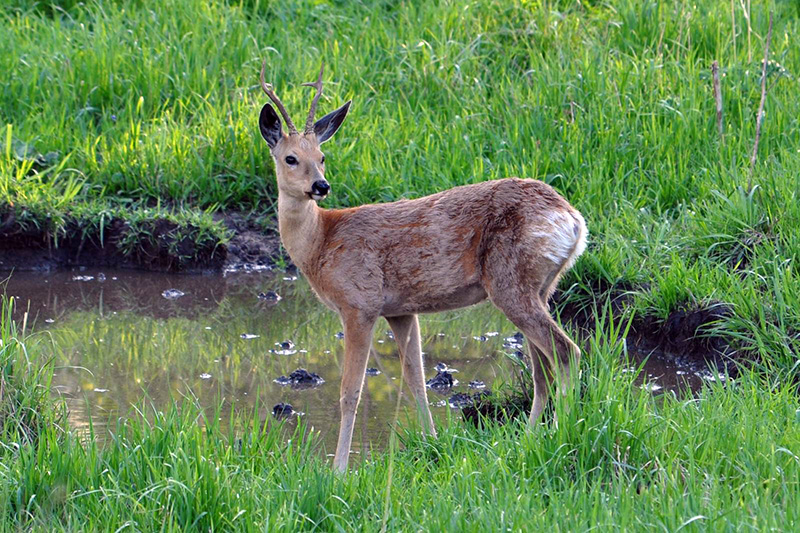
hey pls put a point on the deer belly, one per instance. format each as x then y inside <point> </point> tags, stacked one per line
<point>398,304</point>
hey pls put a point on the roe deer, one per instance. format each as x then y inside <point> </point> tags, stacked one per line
<point>507,240</point>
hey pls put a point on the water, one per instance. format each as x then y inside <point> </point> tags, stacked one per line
<point>121,337</point>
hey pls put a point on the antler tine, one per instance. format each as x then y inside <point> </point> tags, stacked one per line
<point>313,110</point>
<point>272,96</point>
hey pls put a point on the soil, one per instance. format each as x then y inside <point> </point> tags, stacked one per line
<point>679,340</point>
<point>442,381</point>
<point>161,249</point>
<point>252,247</point>
<point>300,379</point>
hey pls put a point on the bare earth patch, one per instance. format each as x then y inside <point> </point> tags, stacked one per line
<point>157,245</point>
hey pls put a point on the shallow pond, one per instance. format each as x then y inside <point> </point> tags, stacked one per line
<point>120,337</point>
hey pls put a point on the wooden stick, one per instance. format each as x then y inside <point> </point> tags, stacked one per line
<point>717,97</point>
<point>760,116</point>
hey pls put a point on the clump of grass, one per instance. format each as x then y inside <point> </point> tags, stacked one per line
<point>25,407</point>
<point>149,236</point>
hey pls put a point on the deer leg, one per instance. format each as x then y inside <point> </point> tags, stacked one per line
<point>542,376</point>
<point>549,337</point>
<point>406,334</point>
<point>544,334</point>
<point>357,341</point>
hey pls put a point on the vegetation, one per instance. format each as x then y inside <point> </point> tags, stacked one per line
<point>118,107</point>
<point>618,459</point>
<point>139,110</point>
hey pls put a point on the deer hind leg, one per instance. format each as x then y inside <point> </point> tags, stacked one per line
<point>552,351</point>
<point>357,342</point>
<point>542,371</point>
<point>518,283</point>
<point>406,334</point>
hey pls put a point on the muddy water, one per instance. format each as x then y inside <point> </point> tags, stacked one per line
<point>121,337</point>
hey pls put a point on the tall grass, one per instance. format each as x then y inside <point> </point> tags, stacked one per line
<point>25,406</point>
<point>618,459</point>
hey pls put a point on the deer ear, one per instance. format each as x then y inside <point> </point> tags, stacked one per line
<point>327,125</point>
<point>270,125</point>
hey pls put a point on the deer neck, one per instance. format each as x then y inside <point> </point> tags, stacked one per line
<point>300,226</point>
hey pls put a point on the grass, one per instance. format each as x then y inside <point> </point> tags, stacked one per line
<point>111,107</point>
<point>145,110</point>
<point>25,405</point>
<point>619,459</point>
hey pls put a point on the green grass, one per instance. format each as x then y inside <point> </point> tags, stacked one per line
<point>117,107</point>
<point>25,405</point>
<point>124,107</point>
<point>619,459</point>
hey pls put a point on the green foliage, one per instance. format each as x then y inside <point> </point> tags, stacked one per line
<point>618,458</point>
<point>25,407</point>
<point>108,109</point>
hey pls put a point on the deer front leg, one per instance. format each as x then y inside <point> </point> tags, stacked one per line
<point>406,334</point>
<point>357,341</point>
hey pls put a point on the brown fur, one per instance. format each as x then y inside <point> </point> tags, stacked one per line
<point>509,240</point>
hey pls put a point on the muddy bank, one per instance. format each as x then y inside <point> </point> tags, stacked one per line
<point>681,355</point>
<point>158,245</point>
<point>684,338</point>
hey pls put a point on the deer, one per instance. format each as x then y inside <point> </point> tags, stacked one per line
<point>506,240</point>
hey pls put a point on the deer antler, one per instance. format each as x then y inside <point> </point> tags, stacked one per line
<point>313,110</point>
<point>268,89</point>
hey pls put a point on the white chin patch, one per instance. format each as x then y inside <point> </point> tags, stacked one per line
<point>317,197</point>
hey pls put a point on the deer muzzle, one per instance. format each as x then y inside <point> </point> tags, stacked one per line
<point>320,189</point>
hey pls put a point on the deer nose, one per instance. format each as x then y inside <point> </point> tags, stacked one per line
<point>320,187</point>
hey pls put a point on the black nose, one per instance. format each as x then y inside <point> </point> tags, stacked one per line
<point>320,187</point>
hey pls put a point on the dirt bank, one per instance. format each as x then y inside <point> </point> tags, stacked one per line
<point>157,245</point>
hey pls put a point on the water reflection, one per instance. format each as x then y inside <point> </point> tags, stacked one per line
<point>117,339</point>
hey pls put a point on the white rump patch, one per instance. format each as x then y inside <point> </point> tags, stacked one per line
<point>563,238</point>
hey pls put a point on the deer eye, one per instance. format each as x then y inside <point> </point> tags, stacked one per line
<point>323,160</point>
<point>291,160</point>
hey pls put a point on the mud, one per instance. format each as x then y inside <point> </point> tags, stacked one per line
<point>252,247</point>
<point>680,356</point>
<point>282,411</point>
<point>683,336</point>
<point>158,245</point>
<point>269,296</point>
<point>684,339</point>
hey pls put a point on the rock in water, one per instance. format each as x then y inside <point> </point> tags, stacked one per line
<point>269,296</point>
<point>442,367</point>
<point>300,379</point>
<point>441,381</point>
<point>172,294</point>
<point>460,400</point>
<point>282,410</point>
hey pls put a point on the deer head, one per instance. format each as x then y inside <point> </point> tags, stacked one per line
<point>299,163</point>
